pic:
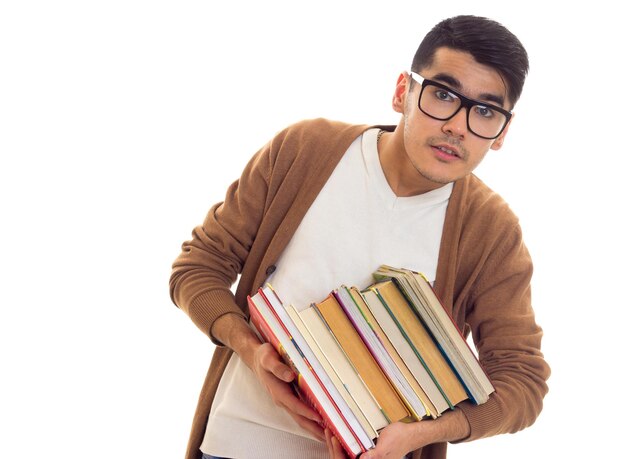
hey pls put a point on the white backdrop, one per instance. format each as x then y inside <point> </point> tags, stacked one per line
<point>121,122</point>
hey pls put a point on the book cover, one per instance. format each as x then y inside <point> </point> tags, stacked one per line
<point>362,360</point>
<point>364,307</point>
<point>332,374</point>
<point>276,305</point>
<point>454,345</point>
<point>308,385</point>
<point>380,353</point>
<point>421,341</point>
<point>401,344</point>
<point>422,298</point>
<point>341,364</point>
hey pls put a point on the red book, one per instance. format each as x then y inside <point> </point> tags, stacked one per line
<point>307,383</point>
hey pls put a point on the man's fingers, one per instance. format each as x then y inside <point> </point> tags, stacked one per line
<point>311,426</point>
<point>299,408</point>
<point>335,451</point>
<point>270,361</point>
<point>285,397</point>
<point>275,376</point>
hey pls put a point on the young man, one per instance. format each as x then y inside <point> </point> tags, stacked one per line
<point>325,203</point>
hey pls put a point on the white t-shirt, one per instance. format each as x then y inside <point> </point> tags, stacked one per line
<point>354,225</point>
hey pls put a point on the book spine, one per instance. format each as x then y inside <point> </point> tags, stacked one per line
<point>282,318</point>
<point>374,346</point>
<point>300,385</point>
<point>306,394</point>
<point>412,345</point>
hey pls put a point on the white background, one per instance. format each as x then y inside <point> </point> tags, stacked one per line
<point>121,122</point>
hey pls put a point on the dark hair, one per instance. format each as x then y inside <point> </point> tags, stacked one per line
<point>489,43</point>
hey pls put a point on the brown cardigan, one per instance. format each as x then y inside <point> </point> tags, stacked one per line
<point>483,273</point>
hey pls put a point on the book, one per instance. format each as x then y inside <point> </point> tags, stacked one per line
<point>332,374</point>
<point>337,358</point>
<point>367,357</point>
<point>380,353</point>
<point>319,371</point>
<point>362,360</point>
<point>421,342</point>
<point>309,384</point>
<point>444,330</point>
<point>399,346</point>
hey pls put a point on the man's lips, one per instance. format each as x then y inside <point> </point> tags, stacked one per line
<point>448,150</point>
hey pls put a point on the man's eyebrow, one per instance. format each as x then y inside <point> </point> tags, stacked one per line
<point>455,84</point>
<point>447,79</point>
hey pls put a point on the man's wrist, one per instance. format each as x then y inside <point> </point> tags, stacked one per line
<point>234,332</point>
<point>450,427</point>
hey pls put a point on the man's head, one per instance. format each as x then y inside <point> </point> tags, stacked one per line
<point>455,103</point>
<point>488,42</point>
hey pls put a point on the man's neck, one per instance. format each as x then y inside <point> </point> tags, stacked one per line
<point>402,176</point>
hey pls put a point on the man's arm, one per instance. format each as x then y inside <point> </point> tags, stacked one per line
<point>207,267</point>
<point>507,338</point>
<point>211,261</point>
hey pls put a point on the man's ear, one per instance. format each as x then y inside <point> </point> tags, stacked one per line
<point>497,144</point>
<point>401,92</point>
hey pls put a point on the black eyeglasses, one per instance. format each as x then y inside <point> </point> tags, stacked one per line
<point>442,103</point>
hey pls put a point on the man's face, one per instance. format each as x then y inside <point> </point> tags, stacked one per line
<point>444,151</point>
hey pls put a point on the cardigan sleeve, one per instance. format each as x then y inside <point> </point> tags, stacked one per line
<point>506,335</point>
<point>259,213</point>
<point>210,262</point>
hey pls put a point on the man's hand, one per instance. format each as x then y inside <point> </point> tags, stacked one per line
<point>395,441</point>
<point>399,438</point>
<point>391,444</point>
<point>275,376</point>
<point>234,332</point>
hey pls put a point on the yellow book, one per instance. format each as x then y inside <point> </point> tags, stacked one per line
<point>362,360</point>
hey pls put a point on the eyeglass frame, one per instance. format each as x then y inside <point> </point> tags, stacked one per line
<point>466,103</point>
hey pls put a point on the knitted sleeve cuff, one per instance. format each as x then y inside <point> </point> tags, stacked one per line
<point>207,307</point>
<point>484,420</point>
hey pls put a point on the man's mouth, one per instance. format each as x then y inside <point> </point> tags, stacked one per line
<point>447,150</point>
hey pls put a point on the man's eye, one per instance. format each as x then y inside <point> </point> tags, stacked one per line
<point>444,95</point>
<point>484,112</point>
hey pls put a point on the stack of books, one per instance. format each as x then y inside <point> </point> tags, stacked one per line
<point>365,358</point>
